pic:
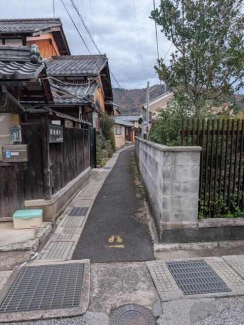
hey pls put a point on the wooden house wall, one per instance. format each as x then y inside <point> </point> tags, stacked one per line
<point>11,195</point>
<point>46,44</point>
<point>26,181</point>
<point>70,158</point>
<point>99,99</point>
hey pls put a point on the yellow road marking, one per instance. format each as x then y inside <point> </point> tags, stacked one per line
<point>115,246</point>
<point>115,239</point>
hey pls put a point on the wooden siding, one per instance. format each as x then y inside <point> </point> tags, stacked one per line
<point>99,99</point>
<point>69,158</point>
<point>11,196</point>
<point>46,44</point>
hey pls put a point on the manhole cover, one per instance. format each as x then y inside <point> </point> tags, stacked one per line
<point>79,212</point>
<point>45,287</point>
<point>196,277</point>
<point>131,315</point>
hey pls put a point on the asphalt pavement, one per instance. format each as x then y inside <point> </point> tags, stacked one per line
<point>114,231</point>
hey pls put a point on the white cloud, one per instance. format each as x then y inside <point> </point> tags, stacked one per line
<point>132,53</point>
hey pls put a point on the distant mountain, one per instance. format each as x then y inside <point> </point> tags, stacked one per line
<point>131,101</point>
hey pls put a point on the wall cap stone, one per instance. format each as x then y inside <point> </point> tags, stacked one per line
<point>170,149</point>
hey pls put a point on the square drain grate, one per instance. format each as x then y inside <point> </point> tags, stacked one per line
<point>45,287</point>
<point>196,277</point>
<point>79,212</point>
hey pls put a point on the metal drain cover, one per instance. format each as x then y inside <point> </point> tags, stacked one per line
<point>132,315</point>
<point>196,277</point>
<point>45,287</point>
<point>79,212</point>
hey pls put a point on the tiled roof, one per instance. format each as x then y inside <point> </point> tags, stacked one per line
<point>131,118</point>
<point>78,65</point>
<point>32,26</point>
<point>18,53</point>
<point>15,63</point>
<point>72,94</point>
<point>119,121</point>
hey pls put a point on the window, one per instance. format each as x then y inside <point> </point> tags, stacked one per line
<point>118,130</point>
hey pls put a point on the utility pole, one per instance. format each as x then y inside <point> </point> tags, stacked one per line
<point>147,116</point>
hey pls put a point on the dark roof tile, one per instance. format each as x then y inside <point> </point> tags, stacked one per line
<point>23,70</point>
<point>32,26</point>
<point>76,65</point>
<point>15,63</point>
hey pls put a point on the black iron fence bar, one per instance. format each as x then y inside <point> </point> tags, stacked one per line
<point>222,161</point>
<point>240,166</point>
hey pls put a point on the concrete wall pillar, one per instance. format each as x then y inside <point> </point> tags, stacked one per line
<point>171,178</point>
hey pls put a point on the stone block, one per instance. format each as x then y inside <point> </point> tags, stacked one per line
<point>186,158</point>
<point>167,158</point>
<point>166,202</point>
<point>184,215</point>
<point>184,202</point>
<point>166,173</point>
<point>185,173</point>
<point>166,188</point>
<point>185,188</point>
<point>165,216</point>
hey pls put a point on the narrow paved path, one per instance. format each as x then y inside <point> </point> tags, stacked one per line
<point>113,232</point>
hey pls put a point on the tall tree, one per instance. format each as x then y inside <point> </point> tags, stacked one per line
<point>207,65</point>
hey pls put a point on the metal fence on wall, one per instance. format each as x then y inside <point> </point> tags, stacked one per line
<point>222,164</point>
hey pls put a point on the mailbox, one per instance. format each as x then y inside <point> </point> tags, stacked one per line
<point>15,153</point>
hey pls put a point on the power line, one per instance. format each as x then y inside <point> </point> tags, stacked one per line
<point>84,24</point>
<point>89,33</point>
<point>76,27</point>
<point>138,36</point>
<point>156,31</point>
<point>92,39</point>
<point>167,51</point>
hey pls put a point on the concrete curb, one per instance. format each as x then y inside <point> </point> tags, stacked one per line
<point>32,244</point>
<point>197,246</point>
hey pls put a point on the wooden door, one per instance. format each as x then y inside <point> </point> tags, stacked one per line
<point>10,199</point>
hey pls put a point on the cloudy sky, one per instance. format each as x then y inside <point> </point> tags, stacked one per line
<point>122,29</point>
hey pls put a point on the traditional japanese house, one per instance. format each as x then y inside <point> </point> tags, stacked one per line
<point>46,154</point>
<point>81,86</point>
<point>124,131</point>
<point>51,103</point>
<point>135,120</point>
<point>47,33</point>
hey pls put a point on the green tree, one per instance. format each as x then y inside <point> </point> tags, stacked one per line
<point>107,130</point>
<point>165,129</point>
<point>207,65</point>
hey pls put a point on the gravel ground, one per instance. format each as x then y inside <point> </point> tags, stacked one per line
<point>64,321</point>
<point>90,318</point>
<point>229,311</point>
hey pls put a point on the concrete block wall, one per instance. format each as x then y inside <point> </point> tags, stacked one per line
<point>171,178</point>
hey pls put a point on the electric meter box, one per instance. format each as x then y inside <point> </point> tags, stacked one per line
<point>15,153</point>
